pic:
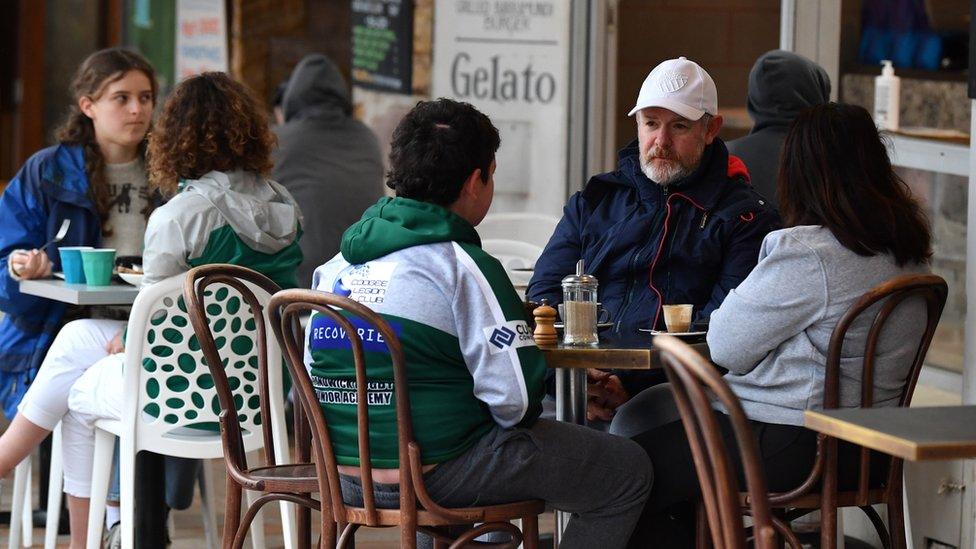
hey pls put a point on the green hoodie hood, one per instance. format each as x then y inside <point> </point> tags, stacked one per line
<point>393,224</point>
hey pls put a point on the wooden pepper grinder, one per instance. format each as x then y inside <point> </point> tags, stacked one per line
<point>545,329</point>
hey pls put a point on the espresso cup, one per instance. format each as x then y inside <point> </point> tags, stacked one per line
<point>98,264</point>
<point>677,318</point>
<point>71,264</point>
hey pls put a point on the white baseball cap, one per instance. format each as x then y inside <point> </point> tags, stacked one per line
<point>682,87</point>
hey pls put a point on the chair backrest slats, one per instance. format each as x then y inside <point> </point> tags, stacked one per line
<point>284,311</point>
<point>933,291</point>
<point>245,293</point>
<point>694,381</point>
<point>891,294</point>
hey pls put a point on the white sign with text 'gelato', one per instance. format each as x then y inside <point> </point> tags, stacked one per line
<point>510,59</point>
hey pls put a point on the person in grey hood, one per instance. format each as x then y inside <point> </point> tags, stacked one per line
<point>330,162</point>
<point>781,84</point>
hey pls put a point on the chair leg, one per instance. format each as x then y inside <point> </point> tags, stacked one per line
<point>127,474</point>
<point>879,526</point>
<point>15,536</point>
<point>303,524</point>
<point>101,473</point>
<point>27,517</point>
<point>207,503</point>
<point>896,521</point>
<point>232,512</point>
<point>55,490</point>
<point>279,435</point>
<point>828,528</point>
<point>828,499</point>
<point>530,532</point>
<point>257,526</point>
<point>408,537</point>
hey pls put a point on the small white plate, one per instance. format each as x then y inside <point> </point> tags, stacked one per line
<point>680,334</point>
<point>131,278</point>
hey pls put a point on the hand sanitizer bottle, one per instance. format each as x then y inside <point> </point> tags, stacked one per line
<point>887,90</point>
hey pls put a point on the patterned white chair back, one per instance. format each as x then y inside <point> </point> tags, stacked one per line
<point>170,397</point>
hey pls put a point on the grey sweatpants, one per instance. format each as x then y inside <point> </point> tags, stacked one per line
<point>602,479</point>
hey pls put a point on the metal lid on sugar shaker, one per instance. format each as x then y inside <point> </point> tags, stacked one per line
<point>580,278</point>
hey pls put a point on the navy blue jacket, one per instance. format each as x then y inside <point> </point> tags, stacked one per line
<point>51,186</point>
<point>690,242</point>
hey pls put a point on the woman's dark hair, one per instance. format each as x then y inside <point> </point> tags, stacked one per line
<point>91,79</point>
<point>436,146</point>
<point>835,172</point>
<point>210,122</point>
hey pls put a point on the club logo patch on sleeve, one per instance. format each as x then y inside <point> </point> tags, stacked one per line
<point>512,334</point>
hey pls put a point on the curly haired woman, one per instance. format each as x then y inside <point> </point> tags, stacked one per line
<point>211,148</point>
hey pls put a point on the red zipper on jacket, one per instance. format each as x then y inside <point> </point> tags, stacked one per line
<point>660,248</point>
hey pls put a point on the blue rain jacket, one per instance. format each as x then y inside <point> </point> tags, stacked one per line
<point>51,186</point>
<point>690,242</point>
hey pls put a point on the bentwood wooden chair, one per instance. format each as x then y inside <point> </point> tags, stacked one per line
<point>692,380</point>
<point>820,489</point>
<point>226,305</point>
<point>417,511</point>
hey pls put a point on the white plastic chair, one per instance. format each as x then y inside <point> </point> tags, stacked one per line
<point>517,257</point>
<point>513,254</point>
<point>22,502</point>
<point>533,228</point>
<point>22,505</point>
<point>21,532</point>
<point>171,407</point>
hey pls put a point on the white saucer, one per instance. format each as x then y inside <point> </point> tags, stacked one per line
<point>680,334</point>
<point>132,278</point>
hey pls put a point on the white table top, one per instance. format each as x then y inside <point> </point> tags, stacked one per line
<point>116,293</point>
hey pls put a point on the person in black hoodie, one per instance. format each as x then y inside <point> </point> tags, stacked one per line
<point>781,84</point>
<point>330,162</point>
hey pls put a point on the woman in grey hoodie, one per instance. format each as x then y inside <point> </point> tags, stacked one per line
<point>851,224</point>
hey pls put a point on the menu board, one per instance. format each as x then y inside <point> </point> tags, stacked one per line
<point>201,37</point>
<point>382,44</point>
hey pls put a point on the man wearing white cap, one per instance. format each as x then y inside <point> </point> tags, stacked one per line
<point>676,222</point>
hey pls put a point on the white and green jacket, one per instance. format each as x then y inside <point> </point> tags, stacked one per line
<point>236,217</point>
<point>470,356</point>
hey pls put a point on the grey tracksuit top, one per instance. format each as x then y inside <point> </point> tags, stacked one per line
<point>773,330</point>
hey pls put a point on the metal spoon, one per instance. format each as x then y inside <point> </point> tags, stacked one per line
<point>61,232</point>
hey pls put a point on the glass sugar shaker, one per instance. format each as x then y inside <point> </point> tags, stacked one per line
<point>579,308</point>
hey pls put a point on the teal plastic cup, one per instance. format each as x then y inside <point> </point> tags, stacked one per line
<point>98,264</point>
<point>71,266</point>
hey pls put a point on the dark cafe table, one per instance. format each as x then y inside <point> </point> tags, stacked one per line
<point>116,293</point>
<point>631,351</point>
<point>915,434</point>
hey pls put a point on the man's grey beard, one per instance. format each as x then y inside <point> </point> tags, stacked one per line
<point>664,173</point>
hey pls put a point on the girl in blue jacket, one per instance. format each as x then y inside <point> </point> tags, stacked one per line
<point>94,177</point>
